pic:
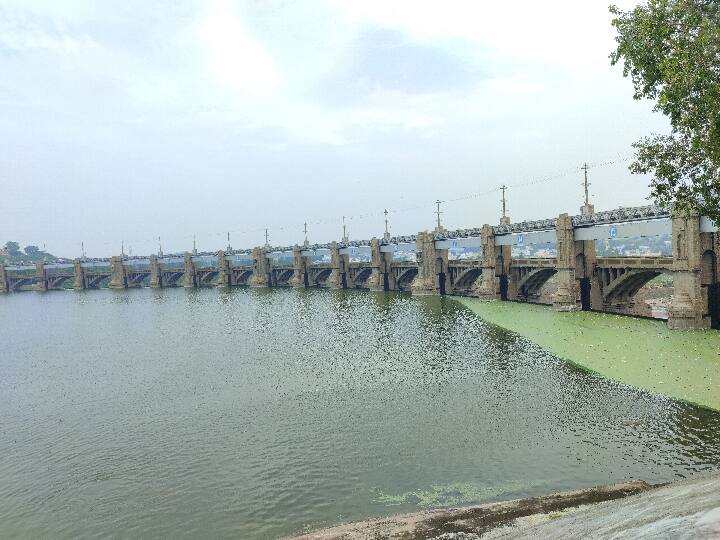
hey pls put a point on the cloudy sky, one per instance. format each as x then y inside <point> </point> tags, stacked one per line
<point>130,119</point>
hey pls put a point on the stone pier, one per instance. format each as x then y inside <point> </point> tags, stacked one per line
<point>338,276</point>
<point>224,277</point>
<point>432,266</point>
<point>4,283</point>
<point>299,278</point>
<point>41,278</point>
<point>156,280</point>
<point>79,283</point>
<point>118,273</point>
<point>261,269</point>
<point>566,295</point>
<point>495,264</point>
<point>379,267</point>
<point>686,309</point>
<point>189,274</point>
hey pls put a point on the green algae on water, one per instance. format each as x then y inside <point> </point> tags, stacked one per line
<point>455,494</point>
<point>640,352</point>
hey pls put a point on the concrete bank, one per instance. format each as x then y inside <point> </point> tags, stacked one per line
<point>685,509</point>
<point>639,352</point>
<point>472,519</point>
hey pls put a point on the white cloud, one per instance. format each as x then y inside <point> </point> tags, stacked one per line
<point>558,32</point>
<point>234,56</point>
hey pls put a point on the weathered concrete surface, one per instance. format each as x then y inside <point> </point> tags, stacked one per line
<point>476,520</point>
<point>686,509</point>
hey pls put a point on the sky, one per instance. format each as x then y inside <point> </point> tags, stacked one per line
<point>131,120</point>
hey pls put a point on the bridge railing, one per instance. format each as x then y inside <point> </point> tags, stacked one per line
<point>240,259</point>
<point>59,268</point>
<point>205,262</point>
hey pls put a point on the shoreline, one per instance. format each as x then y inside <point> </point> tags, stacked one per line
<point>477,519</point>
<point>642,353</point>
<point>636,508</point>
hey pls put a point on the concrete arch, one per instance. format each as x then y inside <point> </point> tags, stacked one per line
<point>282,277</point>
<point>94,281</point>
<point>467,278</point>
<point>361,277</point>
<point>56,282</point>
<point>627,284</point>
<point>708,268</point>
<point>137,278</point>
<point>207,278</point>
<point>321,276</point>
<point>406,278</point>
<point>531,283</point>
<point>16,284</point>
<point>171,279</point>
<point>243,277</point>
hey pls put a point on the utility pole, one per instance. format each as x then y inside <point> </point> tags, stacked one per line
<point>82,248</point>
<point>122,248</point>
<point>229,247</point>
<point>194,251</point>
<point>305,231</point>
<point>160,253</point>
<point>439,227</point>
<point>587,208</point>
<point>504,220</point>
<point>344,236</point>
<point>386,237</point>
<point>267,238</point>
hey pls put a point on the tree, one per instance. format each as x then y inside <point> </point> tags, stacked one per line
<point>671,52</point>
<point>12,249</point>
<point>31,250</point>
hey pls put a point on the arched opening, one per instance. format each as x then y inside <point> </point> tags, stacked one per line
<point>361,278</point>
<point>709,281</point>
<point>537,286</point>
<point>499,266</point>
<point>283,277</point>
<point>172,279</point>
<point>467,279</point>
<point>644,293</point>
<point>584,282</point>
<point>321,277</point>
<point>708,268</point>
<point>580,266</point>
<point>406,278</point>
<point>243,277</point>
<point>500,273</point>
<point>207,279</point>
<point>440,270</point>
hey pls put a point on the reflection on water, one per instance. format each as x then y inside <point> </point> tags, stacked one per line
<point>258,413</point>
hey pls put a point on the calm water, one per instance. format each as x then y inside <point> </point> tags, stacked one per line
<point>260,413</point>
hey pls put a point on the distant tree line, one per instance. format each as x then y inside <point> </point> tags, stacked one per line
<point>11,253</point>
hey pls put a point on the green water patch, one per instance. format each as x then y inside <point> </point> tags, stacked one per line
<point>640,352</point>
<point>455,494</point>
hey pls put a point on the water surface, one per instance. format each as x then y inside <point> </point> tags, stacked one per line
<point>260,413</point>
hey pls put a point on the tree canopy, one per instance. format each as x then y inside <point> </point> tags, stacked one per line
<point>32,253</point>
<point>671,52</point>
<point>12,248</point>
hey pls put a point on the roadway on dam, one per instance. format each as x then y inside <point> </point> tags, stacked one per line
<point>259,413</point>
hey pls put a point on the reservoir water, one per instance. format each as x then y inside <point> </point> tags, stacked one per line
<point>258,413</point>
